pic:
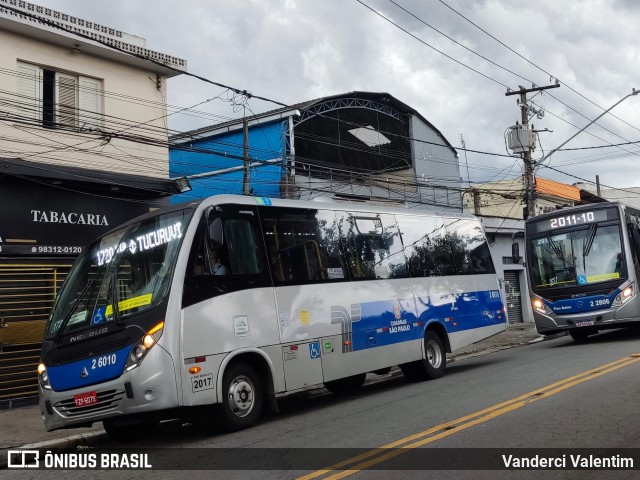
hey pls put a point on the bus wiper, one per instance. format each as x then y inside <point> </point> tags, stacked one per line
<point>557,250</point>
<point>115,297</point>
<point>588,242</point>
<point>67,317</point>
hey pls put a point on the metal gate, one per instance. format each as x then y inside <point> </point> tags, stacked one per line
<point>27,292</point>
<point>513,298</point>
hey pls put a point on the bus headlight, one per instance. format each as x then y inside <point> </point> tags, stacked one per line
<point>142,346</point>
<point>43,376</point>
<point>624,296</point>
<point>540,306</point>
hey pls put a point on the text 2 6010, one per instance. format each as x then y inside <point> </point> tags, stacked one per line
<point>103,361</point>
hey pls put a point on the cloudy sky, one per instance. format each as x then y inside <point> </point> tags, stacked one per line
<point>452,60</point>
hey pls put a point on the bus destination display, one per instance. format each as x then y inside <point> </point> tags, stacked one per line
<point>575,219</point>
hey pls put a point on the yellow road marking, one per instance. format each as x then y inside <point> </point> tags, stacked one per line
<point>381,454</point>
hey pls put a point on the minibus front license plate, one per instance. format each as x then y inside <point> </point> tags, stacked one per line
<point>85,399</point>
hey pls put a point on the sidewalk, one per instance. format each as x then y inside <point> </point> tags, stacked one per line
<point>23,426</point>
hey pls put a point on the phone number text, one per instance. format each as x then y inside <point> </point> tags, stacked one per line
<point>52,249</point>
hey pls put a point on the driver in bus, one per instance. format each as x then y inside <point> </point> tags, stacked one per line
<point>217,267</point>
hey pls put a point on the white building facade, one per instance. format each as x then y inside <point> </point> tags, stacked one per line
<point>71,100</point>
<point>83,147</point>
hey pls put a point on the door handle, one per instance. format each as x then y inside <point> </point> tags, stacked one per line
<point>2,324</point>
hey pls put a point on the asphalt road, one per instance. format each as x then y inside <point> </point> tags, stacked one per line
<point>544,398</point>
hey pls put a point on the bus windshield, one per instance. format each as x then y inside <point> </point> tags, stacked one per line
<point>577,258</point>
<point>125,272</point>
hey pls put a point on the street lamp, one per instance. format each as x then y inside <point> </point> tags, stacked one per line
<point>633,92</point>
<point>539,162</point>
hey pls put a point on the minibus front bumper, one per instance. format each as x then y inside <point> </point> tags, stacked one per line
<point>149,387</point>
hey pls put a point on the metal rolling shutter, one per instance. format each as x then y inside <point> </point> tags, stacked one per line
<point>27,291</point>
<point>513,297</point>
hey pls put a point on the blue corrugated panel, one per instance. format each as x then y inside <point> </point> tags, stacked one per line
<point>266,142</point>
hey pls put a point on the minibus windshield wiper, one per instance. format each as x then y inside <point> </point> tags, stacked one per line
<point>114,296</point>
<point>67,317</point>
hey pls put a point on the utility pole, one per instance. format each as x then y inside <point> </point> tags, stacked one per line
<point>524,142</point>
<point>245,138</point>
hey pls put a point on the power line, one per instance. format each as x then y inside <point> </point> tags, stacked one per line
<point>455,41</point>
<point>531,63</point>
<point>592,134</point>
<point>224,154</point>
<point>430,46</point>
<point>237,91</point>
<point>144,57</point>
<point>487,59</point>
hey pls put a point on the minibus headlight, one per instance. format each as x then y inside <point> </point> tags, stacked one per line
<point>624,296</point>
<point>148,341</point>
<point>540,306</point>
<point>43,376</point>
<point>142,346</point>
<point>138,352</point>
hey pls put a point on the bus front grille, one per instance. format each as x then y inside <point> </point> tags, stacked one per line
<point>107,400</point>
<point>61,357</point>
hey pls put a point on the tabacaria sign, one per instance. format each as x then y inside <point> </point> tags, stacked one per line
<point>75,218</point>
<point>42,220</point>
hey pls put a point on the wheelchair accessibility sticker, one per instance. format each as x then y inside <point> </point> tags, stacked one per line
<point>314,350</point>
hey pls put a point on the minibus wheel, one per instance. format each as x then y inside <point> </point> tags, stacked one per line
<point>243,397</point>
<point>434,363</point>
<point>347,384</point>
<point>128,430</point>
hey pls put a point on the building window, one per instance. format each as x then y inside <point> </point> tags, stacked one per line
<point>59,100</point>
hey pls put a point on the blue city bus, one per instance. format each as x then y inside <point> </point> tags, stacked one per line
<point>228,303</point>
<point>583,265</point>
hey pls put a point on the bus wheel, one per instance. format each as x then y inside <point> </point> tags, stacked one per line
<point>580,335</point>
<point>347,384</point>
<point>243,397</point>
<point>432,366</point>
<point>129,431</point>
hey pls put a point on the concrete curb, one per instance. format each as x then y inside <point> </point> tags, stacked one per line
<point>83,440</point>
<point>487,350</point>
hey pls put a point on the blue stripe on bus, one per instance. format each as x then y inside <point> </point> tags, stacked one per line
<point>90,371</point>
<point>390,322</point>
<point>381,323</point>
<point>582,304</point>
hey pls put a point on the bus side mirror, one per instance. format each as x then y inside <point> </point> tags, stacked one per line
<point>515,252</point>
